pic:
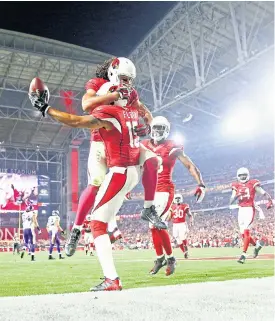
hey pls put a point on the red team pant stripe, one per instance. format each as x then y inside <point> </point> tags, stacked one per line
<point>116,184</point>
<point>169,202</point>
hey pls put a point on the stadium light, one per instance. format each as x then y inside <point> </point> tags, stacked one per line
<point>178,138</point>
<point>240,123</point>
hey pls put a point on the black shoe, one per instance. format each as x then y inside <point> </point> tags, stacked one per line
<point>22,255</point>
<point>51,258</point>
<point>171,266</point>
<point>72,242</point>
<point>61,258</point>
<point>186,255</point>
<point>258,248</point>
<point>91,254</point>
<point>241,259</point>
<point>150,215</point>
<point>159,263</point>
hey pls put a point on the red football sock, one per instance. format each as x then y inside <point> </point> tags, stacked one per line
<point>149,180</point>
<point>246,240</point>
<point>86,202</point>
<point>182,248</point>
<point>252,241</point>
<point>166,242</point>
<point>157,242</point>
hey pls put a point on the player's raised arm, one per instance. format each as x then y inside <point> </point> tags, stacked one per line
<point>78,121</point>
<point>262,192</point>
<point>194,171</point>
<point>191,217</point>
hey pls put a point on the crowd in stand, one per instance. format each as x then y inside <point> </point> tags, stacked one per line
<point>214,226</point>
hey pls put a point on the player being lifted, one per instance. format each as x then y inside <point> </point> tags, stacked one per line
<point>29,221</point>
<point>88,237</point>
<point>121,72</point>
<point>179,211</point>
<point>117,129</point>
<point>53,228</point>
<point>244,191</point>
<point>169,152</point>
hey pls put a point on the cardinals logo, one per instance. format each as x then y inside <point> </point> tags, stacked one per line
<point>115,63</point>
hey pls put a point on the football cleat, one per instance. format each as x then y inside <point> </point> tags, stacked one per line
<point>186,255</point>
<point>51,258</point>
<point>108,285</point>
<point>171,266</point>
<point>257,249</point>
<point>91,254</point>
<point>159,263</point>
<point>150,215</point>
<point>22,254</point>
<point>71,245</point>
<point>241,259</point>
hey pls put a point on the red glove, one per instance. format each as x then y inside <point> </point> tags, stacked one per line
<point>269,205</point>
<point>142,130</point>
<point>200,193</point>
<point>124,91</point>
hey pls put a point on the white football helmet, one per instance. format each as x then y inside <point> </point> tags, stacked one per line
<point>178,199</point>
<point>109,87</point>
<point>122,70</point>
<point>160,128</point>
<point>55,213</point>
<point>243,175</point>
<point>89,217</point>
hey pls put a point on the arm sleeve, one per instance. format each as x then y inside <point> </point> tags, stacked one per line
<point>94,84</point>
<point>133,97</point>
<point>176,151</point>
<point>233,187</point>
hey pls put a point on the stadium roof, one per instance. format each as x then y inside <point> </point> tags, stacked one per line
<point>201,54</point>
<point>193,61</point>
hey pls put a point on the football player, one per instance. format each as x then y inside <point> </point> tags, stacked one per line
<point>29,221</point>
<point>88,237</point>
<point>168,151</point>
<point>53,228</point>
<point>116,125</point>
<point>121,72</point>
<point>16,244</point>
<point>179,211</point>
<point>244,191</point>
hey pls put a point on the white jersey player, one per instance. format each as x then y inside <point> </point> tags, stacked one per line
<point>53,228</point>
<point>29,221</point>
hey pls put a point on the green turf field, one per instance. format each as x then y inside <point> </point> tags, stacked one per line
<point>80,272</point>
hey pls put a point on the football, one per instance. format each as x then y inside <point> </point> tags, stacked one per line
<point>37,84</point>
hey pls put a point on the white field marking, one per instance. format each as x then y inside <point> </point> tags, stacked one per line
<point>225,300</point>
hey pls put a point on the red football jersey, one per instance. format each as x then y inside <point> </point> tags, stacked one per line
<point>86,226</point>
<point>95,84</point>
<point>179,213</point>
<point>121,142</point>
<point>247,191</point>
<point>168,151</point>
